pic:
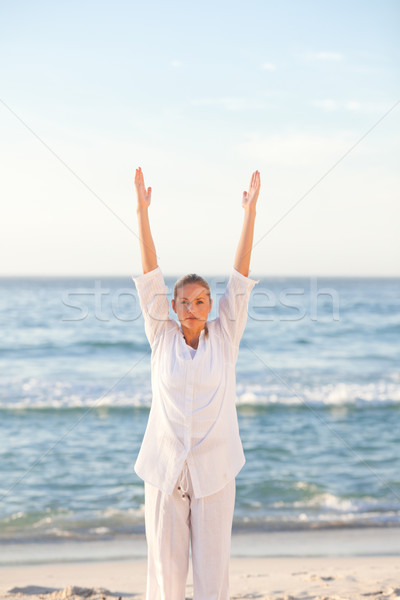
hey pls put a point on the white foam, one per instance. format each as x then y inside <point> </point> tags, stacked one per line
<point>34,393</point>
<point>331,394</point>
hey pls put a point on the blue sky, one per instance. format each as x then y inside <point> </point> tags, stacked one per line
<point>199,95</point>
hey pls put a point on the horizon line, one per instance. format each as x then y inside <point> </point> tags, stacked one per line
<point>172,275</point>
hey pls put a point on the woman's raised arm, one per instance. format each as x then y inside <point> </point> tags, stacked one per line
<point>147,248</point>
<point>249,201</point>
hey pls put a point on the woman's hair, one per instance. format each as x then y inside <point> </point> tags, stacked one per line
<point>192,278</point>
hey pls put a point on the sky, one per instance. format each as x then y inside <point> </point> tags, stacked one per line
<point>200,95</point>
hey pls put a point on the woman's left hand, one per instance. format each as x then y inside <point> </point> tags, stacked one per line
<point>250,198</point>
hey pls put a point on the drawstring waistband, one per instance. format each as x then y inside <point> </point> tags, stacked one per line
<point>183,483</point>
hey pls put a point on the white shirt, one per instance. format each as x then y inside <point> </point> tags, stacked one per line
<point>192,351</point>
<point>193,412</point>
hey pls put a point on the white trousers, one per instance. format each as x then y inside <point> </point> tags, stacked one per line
<point>172,523</point>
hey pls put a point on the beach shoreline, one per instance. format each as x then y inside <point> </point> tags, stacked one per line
<point>340,542</point>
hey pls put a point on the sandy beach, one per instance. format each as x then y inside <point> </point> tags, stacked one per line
<point>326,578</point>
<point>320,565</point>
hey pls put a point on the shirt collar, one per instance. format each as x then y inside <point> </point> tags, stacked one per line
<point>202,332</point>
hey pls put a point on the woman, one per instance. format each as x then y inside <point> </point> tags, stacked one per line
<point>191,450</point>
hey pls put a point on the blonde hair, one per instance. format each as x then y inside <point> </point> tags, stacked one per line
<point>193,278</point>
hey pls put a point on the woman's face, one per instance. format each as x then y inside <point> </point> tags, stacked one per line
<point>192,305</point>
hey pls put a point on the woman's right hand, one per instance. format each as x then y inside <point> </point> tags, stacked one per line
<point>143,195</point>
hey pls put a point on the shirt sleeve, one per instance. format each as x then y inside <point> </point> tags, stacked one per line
<point>153,300</point>
<point>233,305</point>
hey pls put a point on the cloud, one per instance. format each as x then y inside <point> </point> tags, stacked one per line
<point>231,103</point>
<point>268,66</point>
<point>333,56</point>
<point>296,149</point>
<point>175,64</point>
<point>326,104</point>
<point>329,104</point>
<point>353,106</point>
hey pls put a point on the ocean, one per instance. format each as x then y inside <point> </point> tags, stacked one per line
<point>318,401</point>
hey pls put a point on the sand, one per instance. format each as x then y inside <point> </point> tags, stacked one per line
<point>294,578</point>
<point>361,564</point>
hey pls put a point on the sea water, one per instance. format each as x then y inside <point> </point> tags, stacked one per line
<point>318,401</point>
